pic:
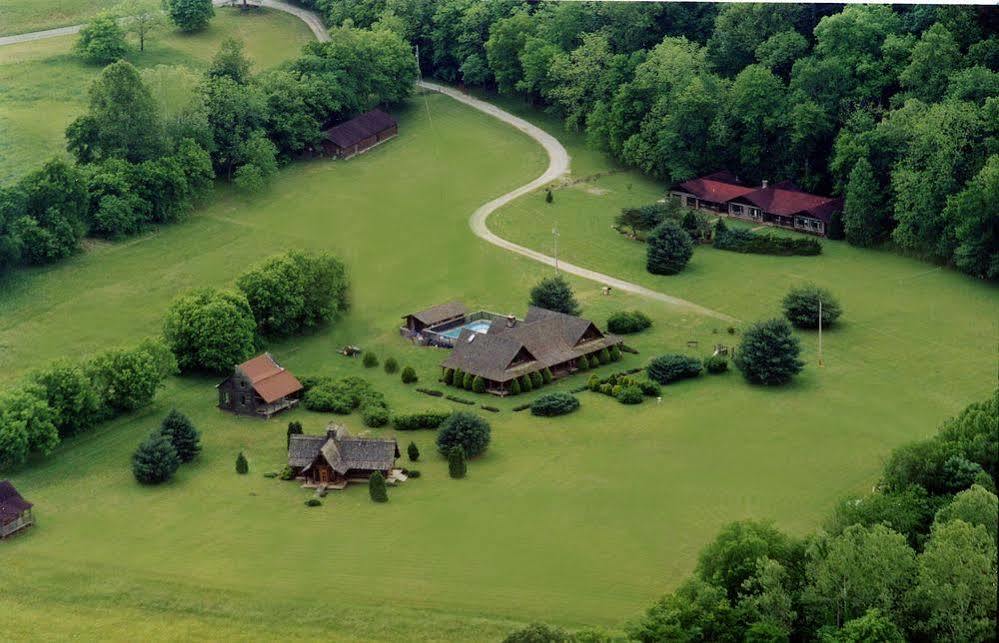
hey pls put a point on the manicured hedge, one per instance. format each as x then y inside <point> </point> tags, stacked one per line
<point>673,367</point>
<point>749,242</point>
<point>630,395</point>
<point>553,404</point>
<point>716,364</point>
<point>422,420</point>
<point>625,322</point>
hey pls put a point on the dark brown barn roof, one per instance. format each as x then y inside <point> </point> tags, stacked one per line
<point>12,505</point>
<point>545,338</point>
<point>269,379</point>
<point>359,128</point>
<point>342,451</point>
<point>439,313</point>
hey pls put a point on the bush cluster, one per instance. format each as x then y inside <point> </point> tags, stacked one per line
<point>716,364</point>
<point>669,368</point>
<point>422,420</point>
<point>801,306</point>
<point>552,404</point>
<point>626,322</point>
<point>175,442</point>
<point>746,241</point>
<point>342,396</point>
<point>467,430</point>
<point>623,387</point>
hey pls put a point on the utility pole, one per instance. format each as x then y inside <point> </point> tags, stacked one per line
<point>555,240</point>
<point>820,333</point>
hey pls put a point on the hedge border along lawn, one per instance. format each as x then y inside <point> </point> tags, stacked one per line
<point>249,540</point>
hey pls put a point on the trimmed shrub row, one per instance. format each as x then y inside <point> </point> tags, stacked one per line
<point>625,322</point>
<point>459,400</point>
<point>326,395</point>
<point>553,404</point>
<point>422,420</point>
<point>749,242</point>
<point>673,367</point>
<point>623,388</point>
<point>431,392</point>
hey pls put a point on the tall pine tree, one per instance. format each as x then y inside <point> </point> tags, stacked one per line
<point>155,460</point>
<point>456,462</point>
<point>865,218</point>
<point>183,436</point>
<point>376,487</point>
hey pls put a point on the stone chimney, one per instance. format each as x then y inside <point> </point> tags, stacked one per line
<point>511,321</point>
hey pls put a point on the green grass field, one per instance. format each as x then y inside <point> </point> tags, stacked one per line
<point>23,16</point>
<point>44,77</point>
<point>580,520</point>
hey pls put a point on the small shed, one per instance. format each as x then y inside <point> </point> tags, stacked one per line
<point>259,387</point>
<point>359,134</point>
<point>15,511</point>
<point>451,311</point>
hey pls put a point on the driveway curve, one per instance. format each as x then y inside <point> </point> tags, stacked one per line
<point>558,165</point>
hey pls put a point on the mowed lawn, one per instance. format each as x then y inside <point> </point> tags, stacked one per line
<point>579,520</point>
<point>43,85</point>
<point>23,16</point>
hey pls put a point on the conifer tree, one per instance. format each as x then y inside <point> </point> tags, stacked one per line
<point>294,428</point>
<point>155,460</point>
<point>413,451</point>
<point>376,487</point>
<point>183,436</point>
<point>456,462</point>
<point>242,466</point>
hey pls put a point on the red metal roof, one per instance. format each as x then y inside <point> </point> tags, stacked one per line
<point>269,379</point>
<point>717,188</point>
<point>785,199</point>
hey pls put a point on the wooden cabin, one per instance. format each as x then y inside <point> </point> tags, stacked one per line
<point>338,458</point>
<point>452,311</point>
<point>358,134</point>
<point>259,387</point>
<point>15,511</point>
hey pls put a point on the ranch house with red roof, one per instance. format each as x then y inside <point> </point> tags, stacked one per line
<point>784,204</point>
<point>358,134</point>
<point>259,387</point>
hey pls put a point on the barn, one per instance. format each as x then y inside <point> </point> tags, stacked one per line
<point>259,387</point>
<point>15,511</point>
<point>359,134</point>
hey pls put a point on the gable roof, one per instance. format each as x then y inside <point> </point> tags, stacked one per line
<point>12,504</point>
<point>545,336</point>
<point>268,378</point>
<point>787,199</point>
<point>717,188</point>
<point>359,128</point>
<point>439,313</point>
<point>342,451</point>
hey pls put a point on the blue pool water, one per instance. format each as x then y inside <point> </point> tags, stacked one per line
<point>480,326</point>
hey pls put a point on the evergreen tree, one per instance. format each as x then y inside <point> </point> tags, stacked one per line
<point>155,460</point>
<point>769,353</point>
<point>669,248</point>
<point>865,217</point>
<point>554,293</point>
<point>294,428</point>
<point>514,387</point>
<point>391,366</point>
<point>413,451</point>
<point>370,360</point>
<point>376,487</point>
<point>183,436</point>
<point>548,196</point>
<point>456,465</point>
<point>242,466</point>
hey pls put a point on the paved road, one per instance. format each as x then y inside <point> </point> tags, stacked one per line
<point>313,21</point>
<point>558,165</point>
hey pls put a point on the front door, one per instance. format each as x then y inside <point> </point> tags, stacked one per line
<point>324,475</point>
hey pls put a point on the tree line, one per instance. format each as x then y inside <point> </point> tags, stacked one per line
<point>151,143</point>
<point>894,108</point>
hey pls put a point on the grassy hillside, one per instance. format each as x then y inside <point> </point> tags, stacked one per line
<point>22,16</point>
<point>579,520</point>
<point>43,86</point>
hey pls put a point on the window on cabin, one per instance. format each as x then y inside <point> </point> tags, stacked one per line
<point>735,208</point>
<point>691,202</point>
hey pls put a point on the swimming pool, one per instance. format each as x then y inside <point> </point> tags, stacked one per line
<point>478,326</point>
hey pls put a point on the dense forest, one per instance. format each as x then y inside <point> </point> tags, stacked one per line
<point>894,108</point>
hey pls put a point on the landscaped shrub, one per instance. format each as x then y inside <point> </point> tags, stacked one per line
<point>716,364</point>
<point>552,404</point>
<point>541,633</point>
<point>468,430</point>
<point>456,466</point>
<point>478,384</point>
<point>615,353</point>
<point>749,242</point>
<point>408,375</point>
<point>668,249</point>
<point>604,356</point>
<point>546,375</point>
<point>376,487</point>
<point>460,400</point>
<point>370,360</point>
<point>459,378</point>
<point>324,399</point>
<point>536,380</point>
<point>413,473</point>
<point>521,407</point>
<point>448,376</point>
<point>626,322</point>
<point>491,409</point>
<point>630,395</point>
<point>287,473</point>
<point>607,389</point>
<point>431,392</point>
<point>313,502</point>
<point>514,387</point>
<point>391,366</point>
<point>468,381</point>
<point>801,306</point>
<point>669,368</point>
<point>650,389</point>
<point>769,353</point>
<point>593,383</point>
<point>594,361</point>
<point>525,384</point>
<point>583,364</point>
<point>374,415</point>
<point>424,420</point>
<point>155,461</point>
<point>413,452</point>
<point>242,466</point>
<point>183,436</point>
